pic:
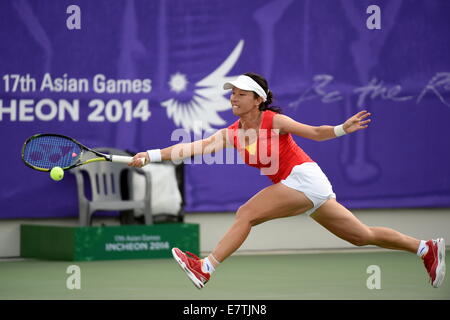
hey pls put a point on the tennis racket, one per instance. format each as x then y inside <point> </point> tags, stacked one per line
<point>43,152</point>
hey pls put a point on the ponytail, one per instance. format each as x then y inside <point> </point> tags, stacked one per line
<point>267,104</point>
<point>263,83</point>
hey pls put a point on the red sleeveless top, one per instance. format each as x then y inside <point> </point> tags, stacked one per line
<point>275,154</point>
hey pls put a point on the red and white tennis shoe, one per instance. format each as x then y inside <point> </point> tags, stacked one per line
<point>434,261</point>
<point>192,265</point>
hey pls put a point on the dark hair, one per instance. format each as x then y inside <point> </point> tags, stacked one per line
<point>263,83</point>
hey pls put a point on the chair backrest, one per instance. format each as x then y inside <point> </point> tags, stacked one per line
<point>105,177</point>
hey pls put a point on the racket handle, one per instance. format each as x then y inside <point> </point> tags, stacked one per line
<point>124,159</point>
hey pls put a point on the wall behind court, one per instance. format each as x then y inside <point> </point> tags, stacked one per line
<point>147,74</point>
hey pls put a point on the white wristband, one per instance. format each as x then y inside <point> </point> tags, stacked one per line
<point>154,155</point>
<point>339,130</point>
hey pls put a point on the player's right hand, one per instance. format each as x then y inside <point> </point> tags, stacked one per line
<point>137,160</point>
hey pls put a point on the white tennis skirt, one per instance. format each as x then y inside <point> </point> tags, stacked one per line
<point>310,179</point>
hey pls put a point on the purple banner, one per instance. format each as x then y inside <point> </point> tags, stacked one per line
<point>128,74</point>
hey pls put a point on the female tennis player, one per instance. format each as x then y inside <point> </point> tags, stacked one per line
<point>299,185</point>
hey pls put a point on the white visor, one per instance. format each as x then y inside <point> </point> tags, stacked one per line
<point>246,83</point>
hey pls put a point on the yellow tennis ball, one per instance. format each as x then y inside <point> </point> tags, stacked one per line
<point>57,173</point>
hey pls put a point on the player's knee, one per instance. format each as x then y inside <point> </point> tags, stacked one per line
<point>359,242</point>
<point>245,214</point>
<point>360,239</point>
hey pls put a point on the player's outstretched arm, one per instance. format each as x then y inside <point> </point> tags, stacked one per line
<point>320,133</point>
<point>181,151</point>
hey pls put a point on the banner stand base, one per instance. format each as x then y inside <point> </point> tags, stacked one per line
<point>107,242</point>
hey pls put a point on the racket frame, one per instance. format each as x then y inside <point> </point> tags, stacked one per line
<point>101,156</point>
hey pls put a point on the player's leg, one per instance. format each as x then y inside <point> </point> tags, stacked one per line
<point>275,201</point>
<point>341,222</point>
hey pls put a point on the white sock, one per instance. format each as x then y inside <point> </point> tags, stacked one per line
<point>207,266</point>
<point>423,248</point>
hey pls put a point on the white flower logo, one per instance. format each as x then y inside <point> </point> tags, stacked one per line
<point>201,112</point>
<point>178,82</point>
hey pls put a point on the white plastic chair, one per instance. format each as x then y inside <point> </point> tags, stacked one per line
<point>107,188</point>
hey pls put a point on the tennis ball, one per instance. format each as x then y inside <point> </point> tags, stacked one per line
<point>57,173</point>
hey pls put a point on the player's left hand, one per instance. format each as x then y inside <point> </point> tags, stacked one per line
<point>357,122</point>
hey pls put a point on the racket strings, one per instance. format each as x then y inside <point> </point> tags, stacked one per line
<point>47,152</point>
